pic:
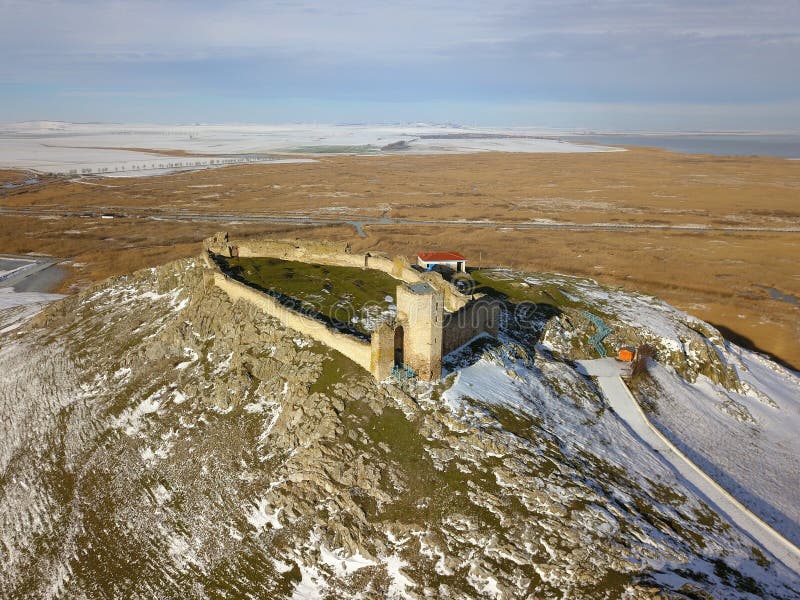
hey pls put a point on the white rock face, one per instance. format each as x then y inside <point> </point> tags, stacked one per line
<point>266,468</point>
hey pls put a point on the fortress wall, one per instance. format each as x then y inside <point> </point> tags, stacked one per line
<point>453,299</point>
<point>206,257</point>
<point>382,346</point>
<point>480,316</point>
<point>336,254</point>
<point>379,263</point>
<point>398,267</point>
<point>323,253</point>
<point>358,351</point>
<point>427,335</point>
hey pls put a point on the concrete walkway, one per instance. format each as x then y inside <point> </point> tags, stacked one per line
<point>626,407</point>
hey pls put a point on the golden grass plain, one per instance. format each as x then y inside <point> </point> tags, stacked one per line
<point>712,269</point>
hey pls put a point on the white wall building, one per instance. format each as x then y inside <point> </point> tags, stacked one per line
<point>449,260</point>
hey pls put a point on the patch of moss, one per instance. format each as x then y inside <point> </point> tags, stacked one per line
<point>665,494</point>
<point>759,557</point>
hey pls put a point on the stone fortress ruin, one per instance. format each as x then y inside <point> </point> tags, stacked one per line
<point>433,317</point>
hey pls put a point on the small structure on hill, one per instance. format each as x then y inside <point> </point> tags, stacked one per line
<point>626,354</point>
<point>447,260</point>
<point>433,317</point>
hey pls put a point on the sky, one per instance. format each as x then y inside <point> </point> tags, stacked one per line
<point>614,64</point>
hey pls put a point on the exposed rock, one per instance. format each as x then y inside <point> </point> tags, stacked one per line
<point>159,441</point>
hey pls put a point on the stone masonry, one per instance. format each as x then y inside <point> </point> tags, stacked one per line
<point>433,317</point>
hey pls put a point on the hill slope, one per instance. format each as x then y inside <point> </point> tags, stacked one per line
<point>159,441</point>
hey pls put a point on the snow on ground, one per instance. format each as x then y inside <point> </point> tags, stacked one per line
<point>628,409</point>
<point>497,380</point>
<point>101,149</point>
<point>639,311</point>
<point>311,584</point>
<point>398,581</point>
<point>261,514</point>
<point>341,564</point>
<point>747,442</point>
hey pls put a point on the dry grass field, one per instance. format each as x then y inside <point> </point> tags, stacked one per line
<point>721,274</point>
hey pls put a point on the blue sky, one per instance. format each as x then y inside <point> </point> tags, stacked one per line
<point>622,64</point>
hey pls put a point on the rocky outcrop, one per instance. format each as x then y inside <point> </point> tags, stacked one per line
<point>159,440</point>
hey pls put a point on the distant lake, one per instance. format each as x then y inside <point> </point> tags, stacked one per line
<point>781,146</point>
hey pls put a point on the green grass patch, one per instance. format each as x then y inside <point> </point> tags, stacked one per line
<point>348,298</point>
<point>336,367</point>
<point>510,288</point>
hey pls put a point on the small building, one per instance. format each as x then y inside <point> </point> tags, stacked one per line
<point>626,354</point>
<point>447,260</point>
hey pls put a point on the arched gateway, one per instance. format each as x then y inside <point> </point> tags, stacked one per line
<point>398,346</point>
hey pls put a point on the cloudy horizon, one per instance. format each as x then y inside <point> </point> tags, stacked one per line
<point>675,65</point>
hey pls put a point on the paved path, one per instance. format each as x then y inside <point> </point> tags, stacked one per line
<point>627,408</point>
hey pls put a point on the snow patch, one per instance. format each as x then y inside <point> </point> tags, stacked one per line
<point>398,581</point>
<point>341,564</point>
<point>261,515</point>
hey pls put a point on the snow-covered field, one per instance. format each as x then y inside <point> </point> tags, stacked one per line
<point>70,148</point>
<point>747,441</point>
<point>506,381</point>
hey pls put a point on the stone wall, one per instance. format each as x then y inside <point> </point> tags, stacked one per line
<point>357,350</point>
<point>427,333</point>
<point>479,316</point>
<point>453,299</point>
<point>336,254</point>
<point>382,348</point>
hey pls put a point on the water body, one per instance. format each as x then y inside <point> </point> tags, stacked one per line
<point>780,296</point>
<point>10,264</point>
<point>780,146</point>
<point>9,186</point>
<point>41,274</point>
<point>46,281</point>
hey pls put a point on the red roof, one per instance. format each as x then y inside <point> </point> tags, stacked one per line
<point>440,256</point>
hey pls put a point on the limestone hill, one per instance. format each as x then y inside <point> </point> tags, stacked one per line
<point>159,441</point>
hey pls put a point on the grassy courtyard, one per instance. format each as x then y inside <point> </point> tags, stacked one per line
<point>351,299</point>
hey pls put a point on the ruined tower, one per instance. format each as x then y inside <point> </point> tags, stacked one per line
<point>418,334</point>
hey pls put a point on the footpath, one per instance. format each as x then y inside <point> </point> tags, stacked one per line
<point>608,373</point>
